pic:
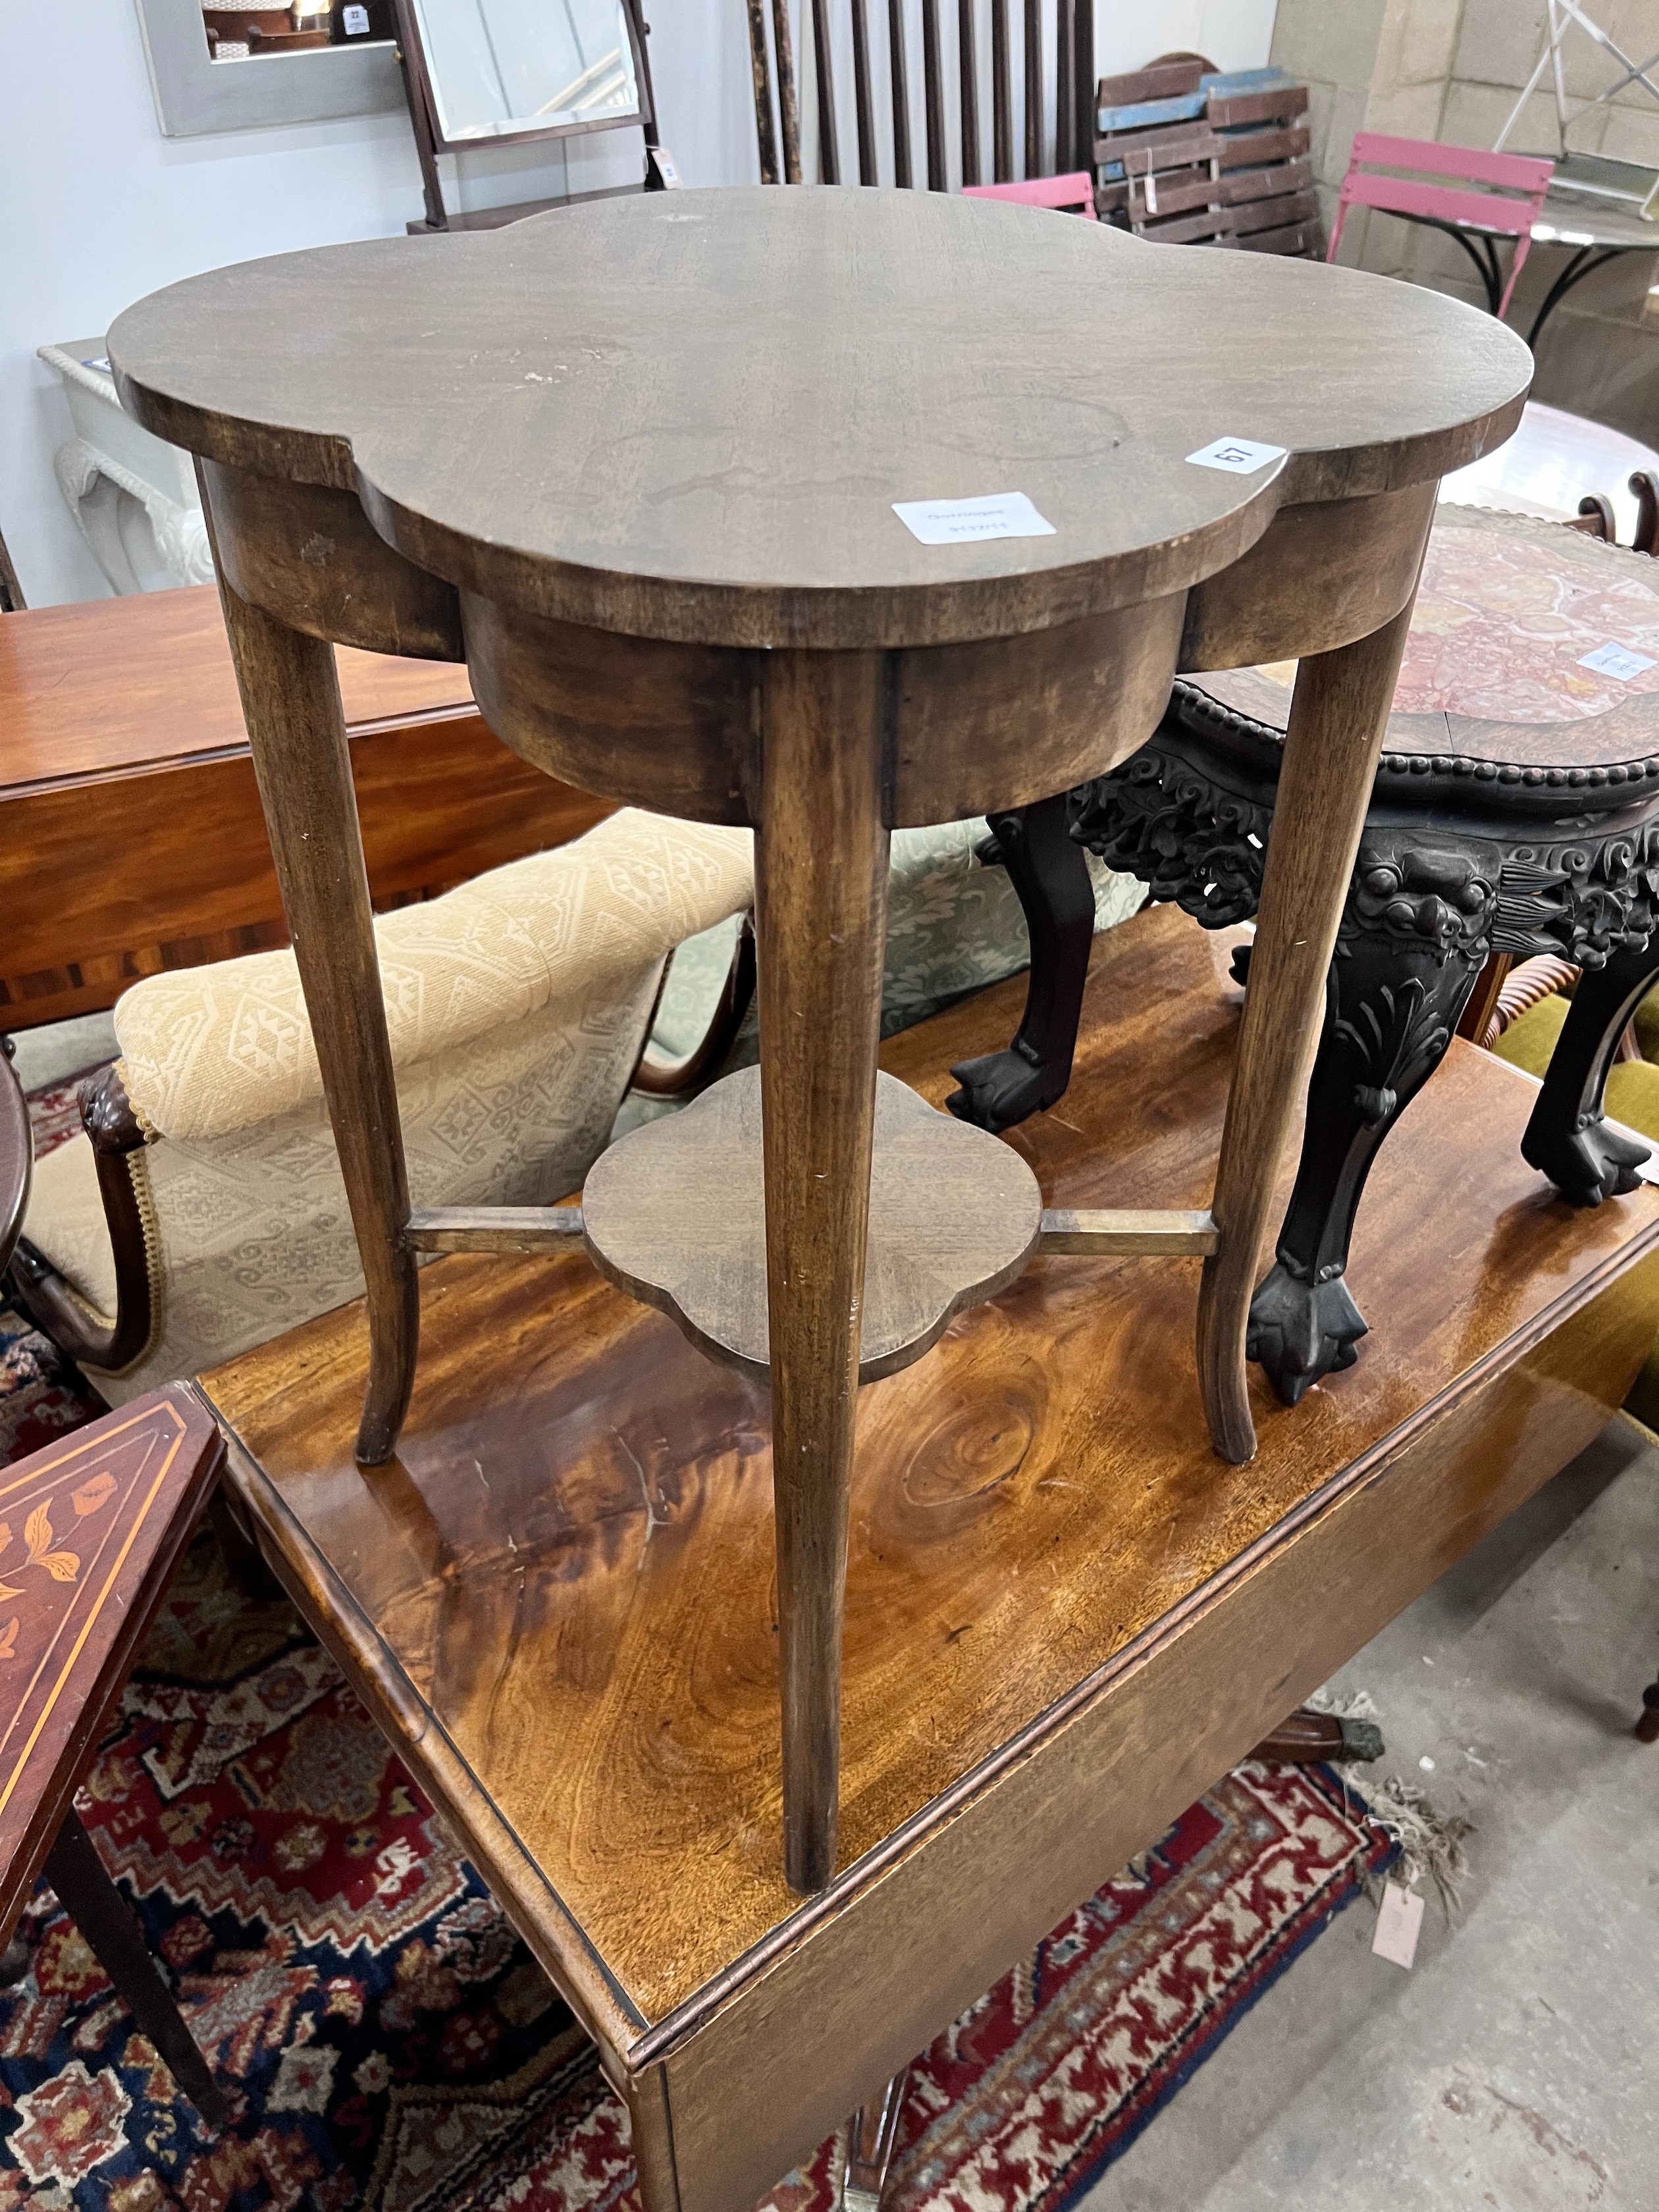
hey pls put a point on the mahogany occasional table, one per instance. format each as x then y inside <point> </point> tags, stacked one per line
<point>638,463</point>
<point>1065,1618</point>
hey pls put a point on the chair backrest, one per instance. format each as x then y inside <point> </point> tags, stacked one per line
<point>1077,190</point>
<point>1503,174</point>
<point>1513,198</point>
<point>1055,43</point>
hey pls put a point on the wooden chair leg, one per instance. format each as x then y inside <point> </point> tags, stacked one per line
<point>821,859</point>
<point>1647,1729</point>
<point>291,703</point>
<point>870,2134</point>
<point>1337,717</point>
<point>116,1938</point>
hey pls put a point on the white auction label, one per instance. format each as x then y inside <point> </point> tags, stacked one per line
<point>1240,457</point>
<point>969,521</point>
<point>1399,1922</point>
<point>1616,660</point>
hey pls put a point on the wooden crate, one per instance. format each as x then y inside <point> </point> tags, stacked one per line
<point>1190,156</point>
<point>1158,162</point>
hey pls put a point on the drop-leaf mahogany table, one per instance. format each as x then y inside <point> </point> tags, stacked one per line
<point>637,463</point>
<point>1065,1618</point>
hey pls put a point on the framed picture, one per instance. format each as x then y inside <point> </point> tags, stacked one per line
<point>330,63</point>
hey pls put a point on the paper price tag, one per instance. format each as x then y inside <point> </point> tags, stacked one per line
<point>1616,660</point>
<point>1240,457</point>
<point>1397,1925</point>
<point>356,22</point>
<point>971,522</point>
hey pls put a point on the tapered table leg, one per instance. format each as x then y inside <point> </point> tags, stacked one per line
<point>871,2133</point>
<point>116,1936</point>
<point>295,726</point>
<point>1337,717</point>
<point>821,856</point>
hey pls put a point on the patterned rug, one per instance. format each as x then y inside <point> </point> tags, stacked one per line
<point>391,2045</point>
<point>55,1110</point>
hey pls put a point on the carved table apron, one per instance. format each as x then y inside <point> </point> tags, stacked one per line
<point>1516,810</point>
<point>637,463</point>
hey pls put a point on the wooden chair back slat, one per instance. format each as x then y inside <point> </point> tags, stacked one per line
<point>1002,97</point>
<point>766,135</point>
<point>967,84</point>
<point>950,119</point>
<point>1515,172</point>
<point>862,101</point>
<point>1077,190</point>
<point>828,130</point>
<point>1065,85</point>
<point>899,76</point>
<point>788,105</point>
<point>933,78</point>
<point>1033,89</point>
<point>1407,196</point>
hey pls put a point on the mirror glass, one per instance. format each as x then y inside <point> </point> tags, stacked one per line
<point>502,66</point>
<point>239,35</point>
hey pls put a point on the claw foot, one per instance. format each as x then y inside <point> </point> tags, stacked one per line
<point>1001,1089</point>
<point>1588,1162</point>
<point>1300,1330</point>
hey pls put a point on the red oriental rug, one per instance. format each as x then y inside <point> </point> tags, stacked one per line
<point>391,2045</point>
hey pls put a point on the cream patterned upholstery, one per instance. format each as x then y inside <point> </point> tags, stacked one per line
<point>516,1005</point>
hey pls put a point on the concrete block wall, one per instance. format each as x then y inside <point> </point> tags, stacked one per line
<point>1452,71</point>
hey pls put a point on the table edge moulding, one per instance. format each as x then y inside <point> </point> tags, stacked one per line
<point>639,463</point>
<point>1065,1618</point>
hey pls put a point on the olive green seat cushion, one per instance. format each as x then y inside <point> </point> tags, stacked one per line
<point>1633,1099</point>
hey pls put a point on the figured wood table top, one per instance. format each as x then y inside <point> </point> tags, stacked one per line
<point>688,415</point>
<point>560,1589</point>
<point>110,685</point>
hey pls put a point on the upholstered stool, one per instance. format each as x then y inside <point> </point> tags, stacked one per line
<point>1514,811</point>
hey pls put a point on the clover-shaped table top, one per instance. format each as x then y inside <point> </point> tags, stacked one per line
<point>688,415</point>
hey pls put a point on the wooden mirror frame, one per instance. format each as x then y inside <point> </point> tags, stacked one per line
<point>429,138</point>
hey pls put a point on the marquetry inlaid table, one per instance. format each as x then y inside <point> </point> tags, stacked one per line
<point>1515,812</point>
<point>1065,1618</point>
<point>92,1525</point>
<point>640,465</point>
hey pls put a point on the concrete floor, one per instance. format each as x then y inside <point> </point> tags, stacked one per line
<point>1517,2066</point>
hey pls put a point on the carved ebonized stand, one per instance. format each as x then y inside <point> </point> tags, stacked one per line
<point>1485,835</point>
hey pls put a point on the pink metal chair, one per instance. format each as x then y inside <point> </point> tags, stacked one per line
<point>1474,219</point>
<point>1077,190</point>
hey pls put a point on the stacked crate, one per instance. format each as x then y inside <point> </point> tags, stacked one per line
<point>1192,156</point>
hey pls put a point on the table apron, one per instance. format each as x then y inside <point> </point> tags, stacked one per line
<point>681,728</point>
<point>1319,577</point>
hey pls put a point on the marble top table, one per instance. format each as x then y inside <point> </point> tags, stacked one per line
<point>639,464</point>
